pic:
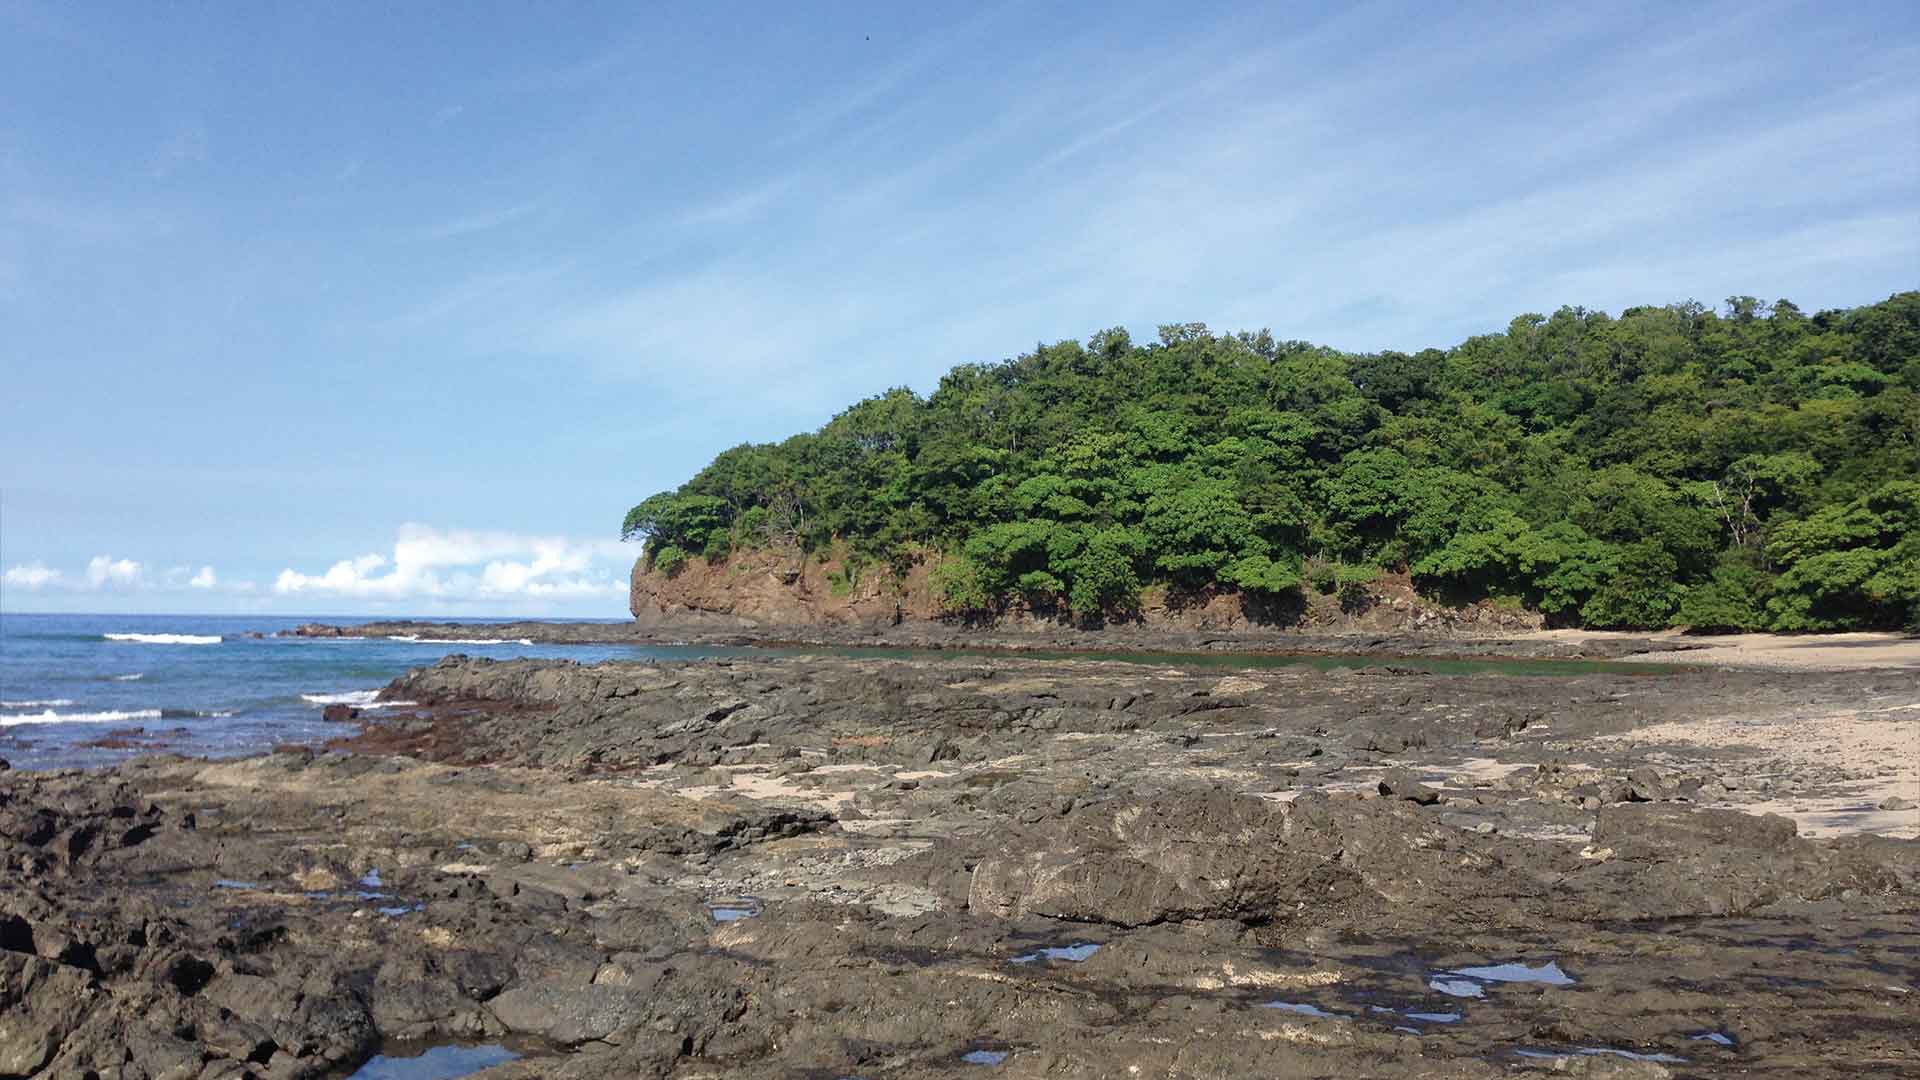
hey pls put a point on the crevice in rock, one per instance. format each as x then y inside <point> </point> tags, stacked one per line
<point>16,935</point>
<point>190,975</point>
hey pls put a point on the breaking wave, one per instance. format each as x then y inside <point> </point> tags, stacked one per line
<point>359,699</point>
<point>51,717</point>
<point>413,640</point>
<point>50,703</point>
<point>351,697</point>
<point>166,639</point>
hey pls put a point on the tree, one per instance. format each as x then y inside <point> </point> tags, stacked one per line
<point>1857,564</point>
<point>1753,485</point>
<point>1672,465</point>
<point>674,520</point>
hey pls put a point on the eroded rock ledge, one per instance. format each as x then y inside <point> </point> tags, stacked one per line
<point>953,635</point>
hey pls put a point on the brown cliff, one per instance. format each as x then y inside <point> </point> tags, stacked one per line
<point>764,590</point>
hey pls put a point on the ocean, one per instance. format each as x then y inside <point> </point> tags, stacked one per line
<point>205,685</point>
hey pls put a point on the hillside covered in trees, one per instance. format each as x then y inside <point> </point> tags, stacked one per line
<point>1750,468</point>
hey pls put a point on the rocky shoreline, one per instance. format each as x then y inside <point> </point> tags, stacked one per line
<point>990,865</point>
<point>944,635</point>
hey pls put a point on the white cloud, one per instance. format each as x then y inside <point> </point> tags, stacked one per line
<point>456,565</point>
<point>33,575</point>
<point>105,571</point>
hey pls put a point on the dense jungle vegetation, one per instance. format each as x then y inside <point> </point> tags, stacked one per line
<point>1755,467</point>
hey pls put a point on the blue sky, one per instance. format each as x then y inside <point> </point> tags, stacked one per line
<point>397,308</point>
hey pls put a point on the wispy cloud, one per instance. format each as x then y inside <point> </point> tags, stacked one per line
<point>74,221</point>
<point>740,206</point>
<point>484,220</point>
<point>1329,177</point>
<point>487,300</point>
<point>886,83</point>
<point>765,342</point>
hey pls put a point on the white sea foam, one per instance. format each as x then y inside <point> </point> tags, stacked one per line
<point>166,639</point>
<point>130,678</point>
<point>351,697</point>
<point>51,717</point>
<point>50,703</point>
<point>359,699</point>
<point>413,640</point>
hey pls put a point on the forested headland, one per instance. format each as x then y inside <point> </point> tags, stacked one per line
<point>1754,467</point>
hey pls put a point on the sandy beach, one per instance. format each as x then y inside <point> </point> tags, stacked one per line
<point>1859,651</point>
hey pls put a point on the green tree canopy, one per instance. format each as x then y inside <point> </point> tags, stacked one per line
<point>1752,466</point>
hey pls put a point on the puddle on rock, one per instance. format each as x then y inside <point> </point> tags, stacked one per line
<point>227,883</point>
<point>985,1057</point>
<point>1548,973</point>
<point>1720,1037</point>
<point>1073,953</point>
<point>1423,1017</point>
<point>370,886</point>
<point>434,1063</point>
<point>1471,982</point>
<point>1301,1008</point>
<point>1460,988</point>
<point>1602,1051</point>
<point>726,911</point>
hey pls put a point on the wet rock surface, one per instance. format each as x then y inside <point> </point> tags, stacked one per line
<point>948,867</point>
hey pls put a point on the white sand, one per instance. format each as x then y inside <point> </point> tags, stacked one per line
<point>1778,652</point>
<point>1856,758</point>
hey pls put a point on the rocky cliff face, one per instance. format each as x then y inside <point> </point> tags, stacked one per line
<point>762,590</point>
<point>758,590</point>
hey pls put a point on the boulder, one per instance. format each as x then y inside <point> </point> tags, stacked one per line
<point>1670,860</point>
<point>1403,784</point>
<point>1173,857</point>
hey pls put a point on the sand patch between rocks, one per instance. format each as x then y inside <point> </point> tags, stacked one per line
<point>1860,651</point>
<point>1873,755</point>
